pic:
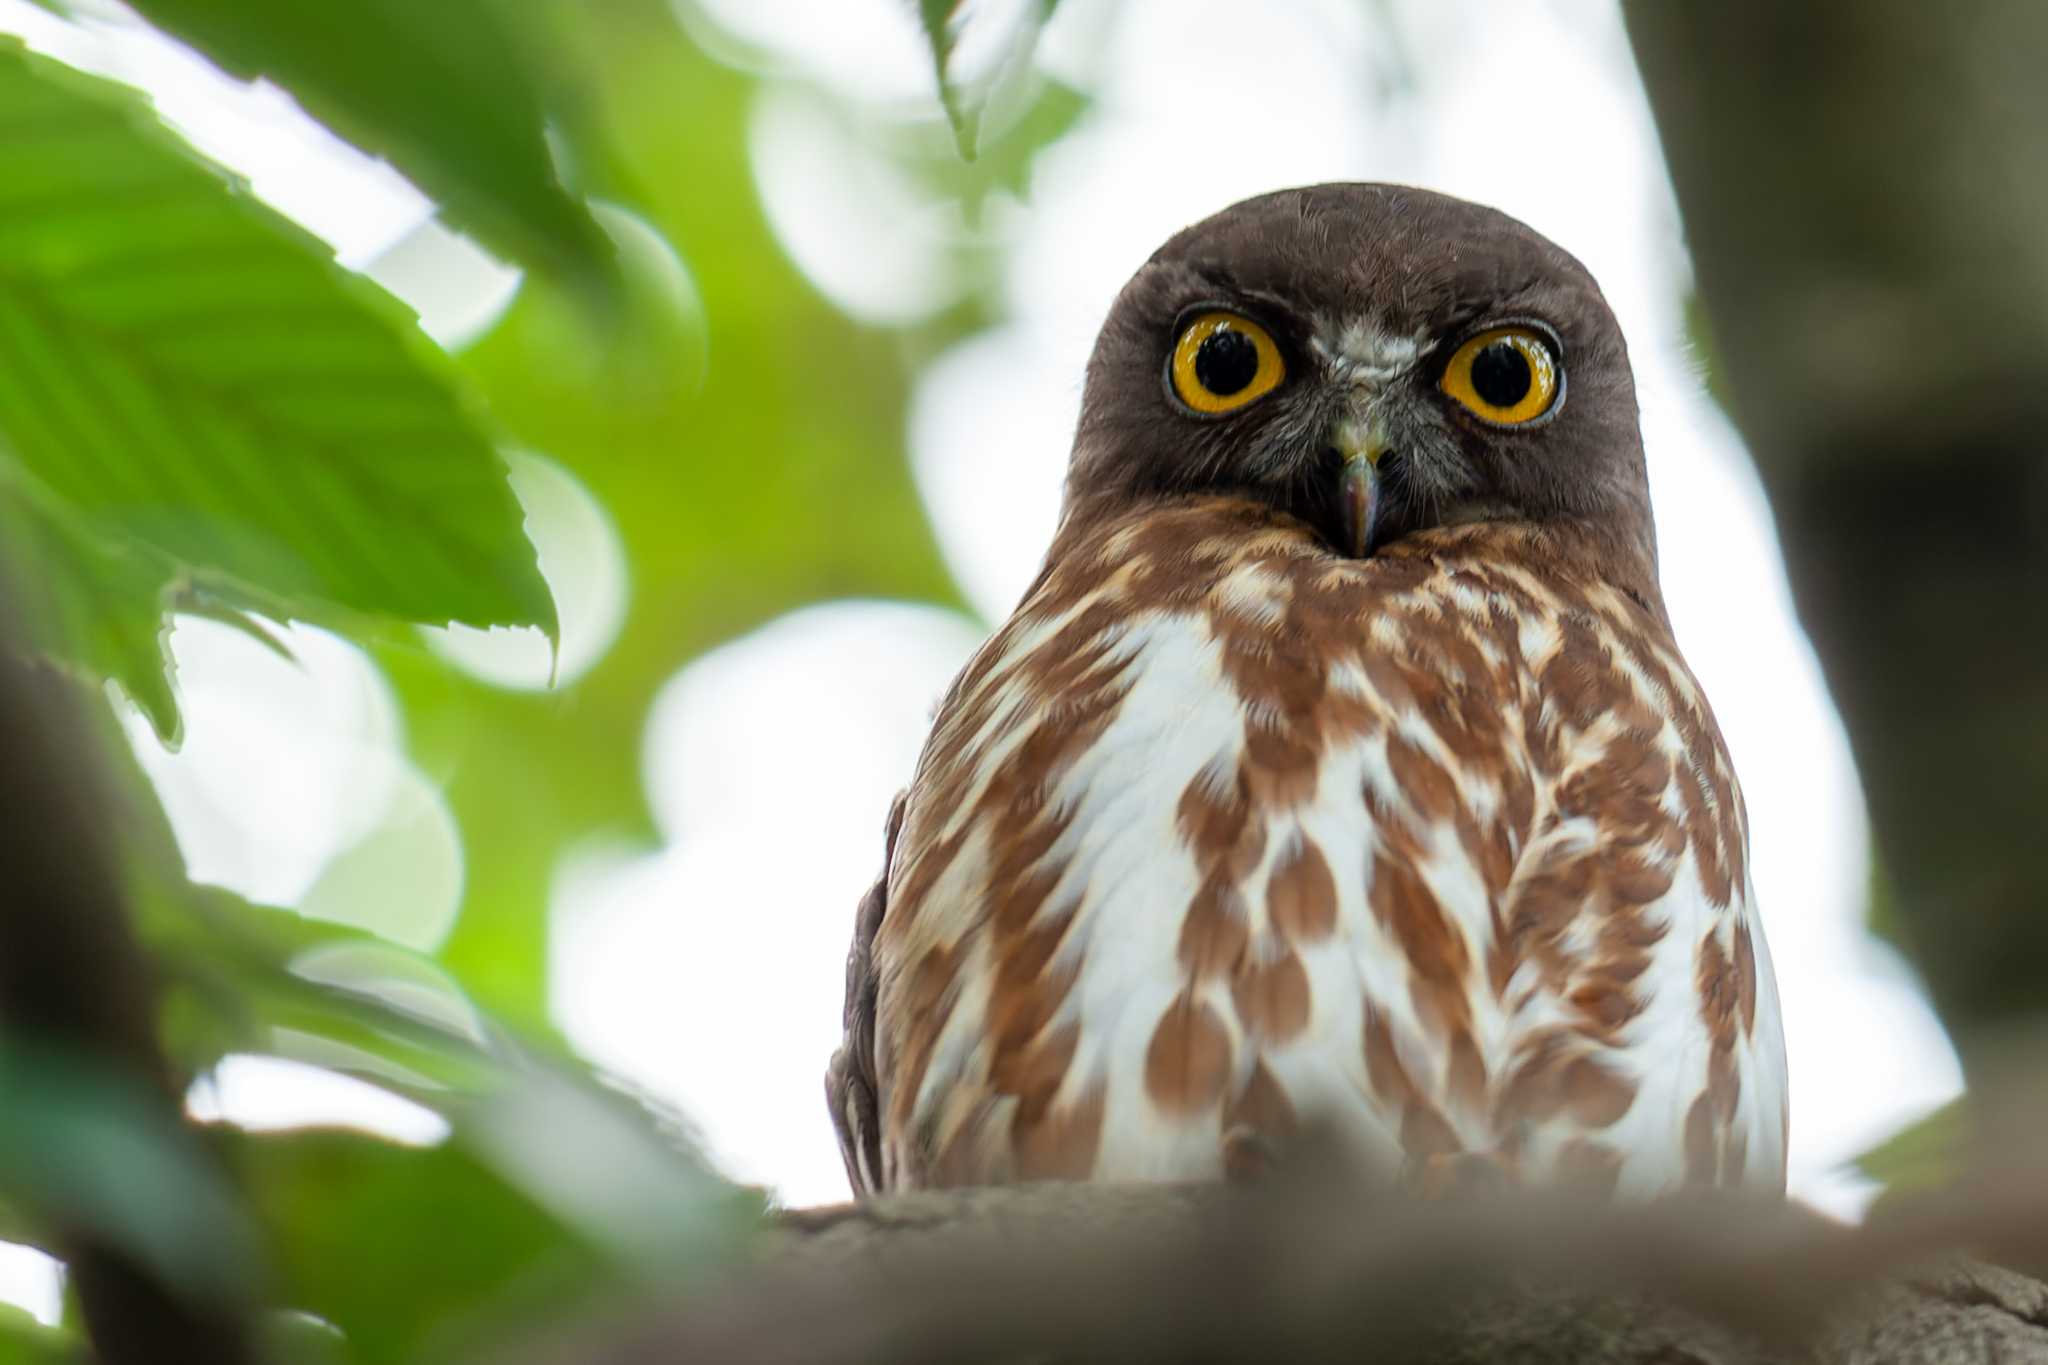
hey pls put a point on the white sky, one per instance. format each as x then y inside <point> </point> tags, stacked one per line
<point>711,971</point>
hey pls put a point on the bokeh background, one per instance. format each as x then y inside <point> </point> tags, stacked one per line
<point>779,520</point>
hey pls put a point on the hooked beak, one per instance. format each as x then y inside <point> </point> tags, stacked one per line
<point>1360,447</point>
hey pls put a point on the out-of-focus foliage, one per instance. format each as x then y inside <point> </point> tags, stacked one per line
<point>193,396</point>
<point>202,414</point>
<point>449,92</point>
<point>1923,1155</point>
<point>1004,59</point>
<point>99,608</point>
<point>771,476</point>
<point>342,1221</point>
<point>24,1341</point>
<point>80,1147</point>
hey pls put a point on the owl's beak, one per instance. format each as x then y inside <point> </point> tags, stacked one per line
<point>1360,447</point>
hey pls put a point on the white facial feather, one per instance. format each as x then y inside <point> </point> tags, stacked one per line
<point>1359,351</point>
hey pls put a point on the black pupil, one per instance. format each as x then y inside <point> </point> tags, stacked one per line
<point>1226,361</point>
<point>1500,374</point>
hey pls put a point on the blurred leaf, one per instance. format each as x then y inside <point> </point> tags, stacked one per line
<point>750,469</point>
<point>604,1159</point>
<point>24,1341</point>
<point>1005,58</point>
<point>607,1164</point>
<point>84,1148</point>
<point>234,978</point>
<point>183,370</point>
<point>446,91</point>
<point>1881,908</point>
<point>189,917</point>
<point>1004,162</point>
<point>1925,1154</point>
<point>401,1247</point>
<point>299,1338</point>
<point>196,601</point>
<point>16,1226</point>
<point>96,608</point>
<point>551,1174</point>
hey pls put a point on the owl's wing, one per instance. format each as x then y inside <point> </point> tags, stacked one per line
<point>850,1079</point>
<point>1634,1014</point>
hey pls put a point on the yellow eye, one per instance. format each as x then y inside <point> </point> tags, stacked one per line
<point>1223,361</point>
<point>1507,375</point>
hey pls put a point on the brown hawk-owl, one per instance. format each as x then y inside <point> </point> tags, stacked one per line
<point>1339,762</point>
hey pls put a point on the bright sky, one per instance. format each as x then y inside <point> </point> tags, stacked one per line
<point>1198,103</point>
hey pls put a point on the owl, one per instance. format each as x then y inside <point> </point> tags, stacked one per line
<point>1338,767</point>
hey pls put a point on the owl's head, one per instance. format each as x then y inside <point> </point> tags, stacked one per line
<point>1375,360</point>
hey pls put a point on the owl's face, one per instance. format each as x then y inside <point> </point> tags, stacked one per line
<point>1373,359</point>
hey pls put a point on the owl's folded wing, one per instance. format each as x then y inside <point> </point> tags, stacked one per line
<point>850,1085</point>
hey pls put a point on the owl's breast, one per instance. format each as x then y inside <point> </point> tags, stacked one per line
<point>1182,870</point>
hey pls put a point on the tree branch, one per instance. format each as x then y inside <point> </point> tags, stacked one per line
<point>1318,1269</point>
<point>73,981</point>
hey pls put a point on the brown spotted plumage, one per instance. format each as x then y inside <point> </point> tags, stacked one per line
<point>1339,765</point>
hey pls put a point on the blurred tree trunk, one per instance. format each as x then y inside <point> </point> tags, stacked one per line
<point>75,984</point>
<point>1865,190</point>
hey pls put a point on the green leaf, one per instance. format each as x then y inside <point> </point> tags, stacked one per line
<point>1006,60</point>
<point>84,1148</point>
<point>550,1176</point>
<point>296,1337</point>
<point>447,91</point>
<point>251,978</point>
<point>401,1246</point>
<point>630,1177</point>
<point>243,976</point>
<point>1002,162</point>
<point>184,371</point>
<point>24,1341</point>
<point>97,608</point>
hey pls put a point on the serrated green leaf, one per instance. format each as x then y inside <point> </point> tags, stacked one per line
<point>967,100</point>
<point>447,92</point>
<point>94,608</point>
<point>183,369</point>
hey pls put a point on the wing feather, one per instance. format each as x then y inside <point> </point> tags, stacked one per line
<point>851,1087</point>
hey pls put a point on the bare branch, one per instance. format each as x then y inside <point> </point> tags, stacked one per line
<point>1320,1270</point>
